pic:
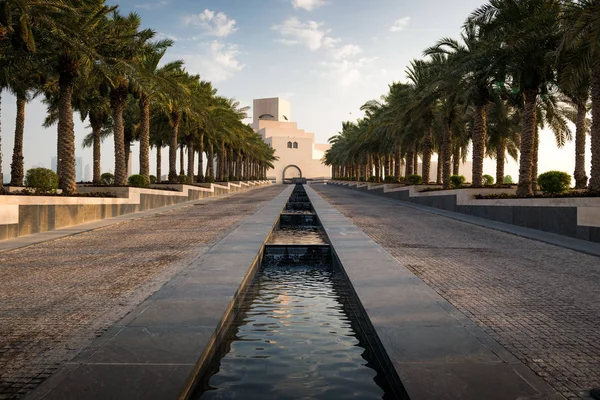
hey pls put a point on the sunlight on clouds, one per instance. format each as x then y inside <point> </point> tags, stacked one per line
<point>217,62</point>
<point>307,33</point>
<point>400,24</point>
<point>346,72</point>
<point>308,5</point>
<point>215,24</point>
<point>346,51</point>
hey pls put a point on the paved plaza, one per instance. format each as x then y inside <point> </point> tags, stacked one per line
<point>56,297</point>
<point>541,302</point>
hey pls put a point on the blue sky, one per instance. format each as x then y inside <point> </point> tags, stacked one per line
<point>327,57</point>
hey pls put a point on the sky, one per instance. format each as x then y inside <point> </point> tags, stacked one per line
<point>327,57</point>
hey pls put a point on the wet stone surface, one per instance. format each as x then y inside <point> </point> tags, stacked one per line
<point>56,297</point>
<point>539,301</point>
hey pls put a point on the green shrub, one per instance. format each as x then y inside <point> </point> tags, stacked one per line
<point>508,180</point>
<point>137,181</point>
<point>353,178</point>
<point>390,179</point>
<point>208,179</point>
<point>414,179</point>
<point>362,179</point>
<point>183,179</point>
<point>107,179</point>
<point>234,178</point>
<point>152,179</point>
<point>457,181</point>
<point>488,180</point>
<point>225,179</point>
<point>372,179</point>
<point>554,182</point>
<point>41,180</point>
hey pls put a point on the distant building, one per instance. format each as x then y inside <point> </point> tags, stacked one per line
<point>78,169</point>
<point>87,176</point>
<point>299,155</point>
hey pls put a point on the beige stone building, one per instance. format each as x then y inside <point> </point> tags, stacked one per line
<point>299,155</point>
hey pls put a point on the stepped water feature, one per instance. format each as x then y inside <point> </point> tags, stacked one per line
<point>299,331</point>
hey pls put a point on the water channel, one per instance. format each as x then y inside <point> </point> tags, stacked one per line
<point>298,334</point>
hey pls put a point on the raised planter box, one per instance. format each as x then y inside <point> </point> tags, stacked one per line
<point>24,215</point>
<point>574,217</point>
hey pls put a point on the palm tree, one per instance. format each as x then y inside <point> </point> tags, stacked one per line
<point>580,53</point>
<point>527,31</point>
<point>475,60</point>
<point>151,82</point>
<point>80,37</point>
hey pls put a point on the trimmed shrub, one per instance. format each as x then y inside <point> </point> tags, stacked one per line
<point>152,179</point>
<point>362,179</point>
<point>107,179</point>
<point>225,179</point>
<point>488,180</point>
<point>137,181</point>
<point>208,179</point>
<point>372,179</point>
<point>183,179</point>
<point>457,181</point>
<point>508,180</point>
<point>390,179</point>
<point>554,182</point>
<point>41,180</point>
<point>414,179</point>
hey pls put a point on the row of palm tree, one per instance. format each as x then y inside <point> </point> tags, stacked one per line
<point>519,66</point>
<point>85,56</point>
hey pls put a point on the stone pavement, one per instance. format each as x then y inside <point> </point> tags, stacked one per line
<point>57,296</point>
<point>541,302</point>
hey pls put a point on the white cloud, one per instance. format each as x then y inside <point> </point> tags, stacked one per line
<point>346,72</point>
<point>346,51</point>
<point>308,5</point>
<point>217,61</point>
<point>400,24</point>
<point>215,24</point>
<point>152,6</point>
<point>308,33</point>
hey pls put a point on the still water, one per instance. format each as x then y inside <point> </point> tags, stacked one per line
<point>293,341</point>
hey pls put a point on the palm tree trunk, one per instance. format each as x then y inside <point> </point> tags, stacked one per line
<point>159,163</point>
<point>210,169</point>
<point>527,141</point>
<point>410,163</point>
<point>1,175</point>
<point>145,137</point>
<point>456,160</point>
<point>580,139</point>
<point>416,161</point>
<point>118,97</point>
<point>479,140</point>
<point>427,147</point>
<point>397,157</point>
<point>440,167</point>
<point>96,128</point>
<point>66,138</point>
<point>191,153</point>
<point>534,159</point>
<point>595,86</point>
<point>446,155</point>
<point>16,168</point>
<point>181,159</point>
<point>200,155</point>
<point>500,161</point>
<point>175,119</point>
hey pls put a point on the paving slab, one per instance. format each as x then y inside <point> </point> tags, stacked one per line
<point>437,352</point>
<point>154,351</point>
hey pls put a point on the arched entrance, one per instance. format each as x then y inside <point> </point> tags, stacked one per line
<point>290,172</point>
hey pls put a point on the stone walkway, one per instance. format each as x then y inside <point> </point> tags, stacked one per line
<point>541,302</point>
<point>55,297</point>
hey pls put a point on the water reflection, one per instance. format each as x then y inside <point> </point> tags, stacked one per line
<point>293,341</point>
